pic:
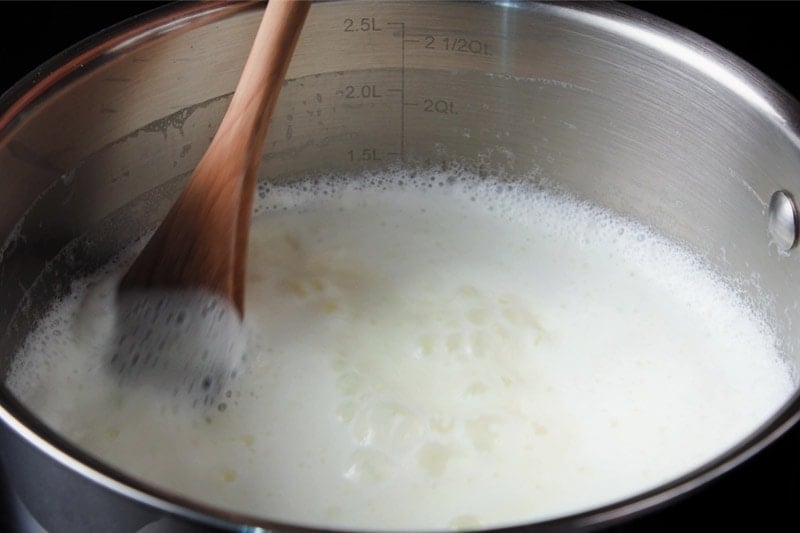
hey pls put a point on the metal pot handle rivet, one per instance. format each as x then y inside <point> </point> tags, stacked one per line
<point>783,227</point>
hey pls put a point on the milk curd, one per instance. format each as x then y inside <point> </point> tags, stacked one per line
<point>433,351</point>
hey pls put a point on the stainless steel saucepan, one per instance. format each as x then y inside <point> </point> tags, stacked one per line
<point>624,109</point>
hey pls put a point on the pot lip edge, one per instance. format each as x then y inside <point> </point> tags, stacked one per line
<point>68,65</point>
<point>781,103</point>
<point>696,52</point>
<point>44,440</point>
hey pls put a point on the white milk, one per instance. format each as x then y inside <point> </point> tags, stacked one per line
<point>433,353</point>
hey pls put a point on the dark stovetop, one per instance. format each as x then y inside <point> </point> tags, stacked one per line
<point>763,493</point>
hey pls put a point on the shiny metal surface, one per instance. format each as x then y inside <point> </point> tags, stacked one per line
<point>783,220</point>
<point>605,102</point>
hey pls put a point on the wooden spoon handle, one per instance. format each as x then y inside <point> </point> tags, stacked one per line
<point>202,242</point>
<point>260,85</point>
<point>264,71</point>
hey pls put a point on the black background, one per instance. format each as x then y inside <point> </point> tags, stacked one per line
<point>762,494</point>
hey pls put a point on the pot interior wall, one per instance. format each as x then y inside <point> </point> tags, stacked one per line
<point>662,131</point>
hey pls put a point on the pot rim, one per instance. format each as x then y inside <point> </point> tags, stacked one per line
<point>690,49</point>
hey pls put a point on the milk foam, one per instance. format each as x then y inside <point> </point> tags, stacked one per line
<point>434,352</point>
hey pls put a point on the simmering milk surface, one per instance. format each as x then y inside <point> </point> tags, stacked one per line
<point>432,352</point>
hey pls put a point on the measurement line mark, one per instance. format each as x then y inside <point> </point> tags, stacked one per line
<point>402,88</point>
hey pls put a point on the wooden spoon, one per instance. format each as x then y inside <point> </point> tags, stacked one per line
<point>180,305</point>
<point>202,242</point>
